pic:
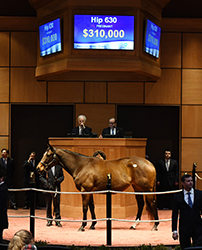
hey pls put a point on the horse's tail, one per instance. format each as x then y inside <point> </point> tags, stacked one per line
<point>151,203</point>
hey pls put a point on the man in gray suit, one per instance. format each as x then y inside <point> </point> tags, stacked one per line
<point>51,181</point>
<point>189,203</point>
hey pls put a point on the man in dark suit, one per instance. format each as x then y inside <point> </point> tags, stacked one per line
<point>52,181</point>
<point>3,204</point>
<point>113,130</point>
<point>82,129</point>
<point>167,179</point>
<point>7,164</point>
<point>189,203</point>
<point>31,178</point>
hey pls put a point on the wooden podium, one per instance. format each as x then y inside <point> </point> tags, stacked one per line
<point>122,205</point>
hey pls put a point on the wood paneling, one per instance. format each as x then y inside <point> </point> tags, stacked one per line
<point>171,50</point>
<point>25,88</point>
<point>125,92</point>
<point>191,86</point>
<point>191,152</point>
<point>97,115</point>
<point>65,92</point>
<point>191,121</point>
<point>4,49</point>
<point>4,124</point>
<point>23,48</point>
<point>167,90</point>
<point>181,24</point>
<point>13,23</point>
<point>95,92</point>
<point>4,85</point>
<point>192,50</point>
<point>3,142</point>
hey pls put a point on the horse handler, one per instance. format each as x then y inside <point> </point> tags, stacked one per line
<point>51,180</point>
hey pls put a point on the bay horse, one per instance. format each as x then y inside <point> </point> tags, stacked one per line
<point>90,174</point>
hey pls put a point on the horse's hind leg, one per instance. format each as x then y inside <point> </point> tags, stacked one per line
<point>140,204</point>
<point>92,211</point>
<point>152,210</point>
<point>85,200</point>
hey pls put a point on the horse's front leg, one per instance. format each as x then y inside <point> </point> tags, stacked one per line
<point>92,211</point>
<point>85,201</point>
<point>140,204</point>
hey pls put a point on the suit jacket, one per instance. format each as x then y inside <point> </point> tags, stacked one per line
<point>9,171</point>
<point>167,178</point>
<point>86,131</point>
<point>3,206</point>
<point>190,218</point>
<point>119,132</point>
<point>28,166</point>
<point>58,173</point>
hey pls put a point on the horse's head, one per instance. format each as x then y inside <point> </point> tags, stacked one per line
<point>48,160</point>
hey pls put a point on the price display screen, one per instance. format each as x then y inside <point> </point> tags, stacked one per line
<point>50,37</point>
<point>104,32</point>
<point>152,39</point>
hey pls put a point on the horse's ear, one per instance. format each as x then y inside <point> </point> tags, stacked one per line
<point>51,148</point>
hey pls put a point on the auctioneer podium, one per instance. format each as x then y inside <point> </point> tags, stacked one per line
<point>123,205</point>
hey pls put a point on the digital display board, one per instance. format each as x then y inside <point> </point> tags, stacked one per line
<point>152,38</point>
<point>110,32</point>
<point>50,37</point>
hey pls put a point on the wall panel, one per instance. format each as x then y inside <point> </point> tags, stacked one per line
<point>191,86</point>
<point>95,92</point>
<point>3,142</point>
<point>125,92</point>
<point>191,152</point>
<point>171,50</point>
<point>23,48</point>
<point>25,88</point>
<point>192,50</point>
<point>167,90</point>
<point>65,92</point>
<point>97,115</point>
<point>4,125</point>
<point>4,49</point>
<point>191,121</point>
<point>4,84</point>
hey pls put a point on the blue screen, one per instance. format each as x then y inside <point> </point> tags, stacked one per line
<point>104,32</point>
<point>152,39</point>
<point>50,37</point>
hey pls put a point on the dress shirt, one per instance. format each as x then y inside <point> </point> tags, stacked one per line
<point>167,163</point>
<point>113,131</point>
<point>191,195</point>
<point>53,170</point>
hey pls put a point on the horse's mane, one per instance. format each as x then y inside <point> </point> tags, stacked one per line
<point>71,152</point>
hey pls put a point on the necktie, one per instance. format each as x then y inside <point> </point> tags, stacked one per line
<point>189,200</point>
<point>167,166</point>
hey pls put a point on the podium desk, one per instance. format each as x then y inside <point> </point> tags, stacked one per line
<point>122,205</point>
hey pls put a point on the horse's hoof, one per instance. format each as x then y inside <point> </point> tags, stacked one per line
<point>132,227</point>
<point>92,227</point>
<point>81,229</point>
<point>154,228</point>
<point>135,224</point>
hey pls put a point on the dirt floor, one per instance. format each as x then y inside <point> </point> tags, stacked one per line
<point>68,234</point>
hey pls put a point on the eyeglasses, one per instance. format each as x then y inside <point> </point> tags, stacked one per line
<point>112,122</point>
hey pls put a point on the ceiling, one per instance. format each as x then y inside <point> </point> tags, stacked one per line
<point>174,9</point>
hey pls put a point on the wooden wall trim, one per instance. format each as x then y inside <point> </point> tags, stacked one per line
<point>181,24</point>
<point>8,23</point>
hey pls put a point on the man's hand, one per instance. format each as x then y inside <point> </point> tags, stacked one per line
<point>175,236</point>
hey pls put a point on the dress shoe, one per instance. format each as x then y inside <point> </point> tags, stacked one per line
<point>25,207</point>
<point>49,223</point>
<point>57,223</point>
<point>14,207</point>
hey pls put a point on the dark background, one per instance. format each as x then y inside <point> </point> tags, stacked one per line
<point>31,126</point>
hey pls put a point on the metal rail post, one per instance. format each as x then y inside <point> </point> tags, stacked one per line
<point>32,211</point>
<point>109,211</point>
<point>194,174</point>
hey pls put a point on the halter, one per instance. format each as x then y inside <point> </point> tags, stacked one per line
<point>46,165</point>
